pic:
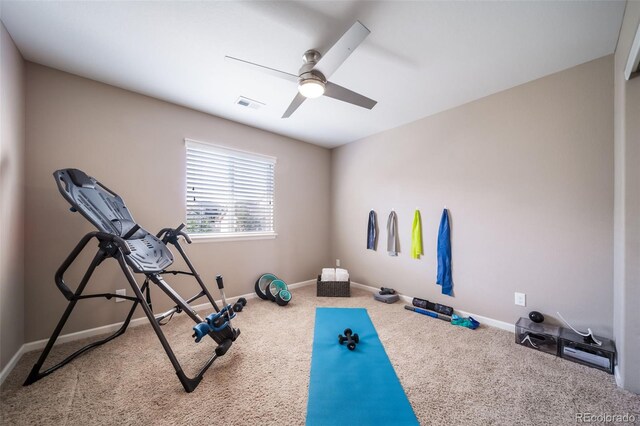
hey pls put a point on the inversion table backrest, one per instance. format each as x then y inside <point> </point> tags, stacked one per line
<point>107,212</point>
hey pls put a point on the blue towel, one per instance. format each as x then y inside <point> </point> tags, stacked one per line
<point>444,254</point>
<point>372,231</point>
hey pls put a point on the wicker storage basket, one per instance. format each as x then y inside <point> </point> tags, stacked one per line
<point>333,288</point>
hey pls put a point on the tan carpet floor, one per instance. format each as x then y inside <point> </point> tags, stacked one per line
<point>452,375</point>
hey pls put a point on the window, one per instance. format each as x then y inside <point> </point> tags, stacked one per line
<point>229,192</point>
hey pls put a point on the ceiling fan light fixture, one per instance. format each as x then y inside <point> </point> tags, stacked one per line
<point>311,88</point>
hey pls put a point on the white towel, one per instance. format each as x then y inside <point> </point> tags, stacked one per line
<point>342,275</point>
<point>328,274</point>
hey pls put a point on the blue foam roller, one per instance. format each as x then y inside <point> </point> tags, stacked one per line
<point>201,330</point>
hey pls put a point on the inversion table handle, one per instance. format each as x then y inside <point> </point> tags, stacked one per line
<point>170,235</point>
<point>186,237</point>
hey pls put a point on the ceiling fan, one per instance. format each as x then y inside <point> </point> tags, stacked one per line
<point>312,77</point>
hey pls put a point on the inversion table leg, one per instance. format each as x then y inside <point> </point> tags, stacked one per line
<point>188,383</point>
<point>35,373</point>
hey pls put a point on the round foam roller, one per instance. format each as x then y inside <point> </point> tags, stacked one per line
<point>283,297</point>
<point>262,284</point>
<point>274,288</point>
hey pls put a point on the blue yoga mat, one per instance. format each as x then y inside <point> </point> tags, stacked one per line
<point>356,387</point>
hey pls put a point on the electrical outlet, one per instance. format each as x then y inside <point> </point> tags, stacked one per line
<point>338,262</point>
<point>521,299</point>
<point>121,292</point>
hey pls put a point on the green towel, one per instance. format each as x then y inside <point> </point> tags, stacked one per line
<point>416,236</point>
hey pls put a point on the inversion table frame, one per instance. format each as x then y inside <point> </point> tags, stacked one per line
<point>136,250</point>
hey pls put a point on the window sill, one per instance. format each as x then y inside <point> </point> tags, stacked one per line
<point>244,236</point>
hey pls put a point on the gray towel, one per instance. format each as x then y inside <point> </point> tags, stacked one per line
<point>393,246</point>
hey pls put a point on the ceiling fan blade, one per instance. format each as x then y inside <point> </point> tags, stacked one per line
<point>345,95</point>
<point>276,73</point>
<point>339,52</point>
<point>295,103</point>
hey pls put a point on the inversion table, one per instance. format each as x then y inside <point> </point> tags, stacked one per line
<point>137,251</point>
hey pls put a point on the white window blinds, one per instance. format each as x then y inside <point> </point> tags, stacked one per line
<point>229,192</point>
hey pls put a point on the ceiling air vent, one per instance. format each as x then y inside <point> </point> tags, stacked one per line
<point>249,103</point>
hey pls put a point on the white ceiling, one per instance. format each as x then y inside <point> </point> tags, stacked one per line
<point>420,58</point>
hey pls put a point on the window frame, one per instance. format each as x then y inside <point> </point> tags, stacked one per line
<point>229,236</point>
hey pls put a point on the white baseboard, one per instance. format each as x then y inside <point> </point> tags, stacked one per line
<point>298,285</point>
<point>11,364</point>
<point>482,319</point>
<point>502,325</point>
<point>111,328</point>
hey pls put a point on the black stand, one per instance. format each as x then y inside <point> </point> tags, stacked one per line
<point>112,246</point>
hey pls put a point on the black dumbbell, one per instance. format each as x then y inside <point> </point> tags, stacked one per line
<point>240,304</point>
<point>350,338</point>
<point>386,290</point>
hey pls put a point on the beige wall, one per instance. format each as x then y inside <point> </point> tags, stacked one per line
<point>12,105</point>
<point>627,208</point>
<point>527,175</point>
<point>134,145</point>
